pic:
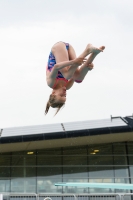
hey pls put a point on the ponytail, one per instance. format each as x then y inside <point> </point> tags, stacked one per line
<point>47,107</point>
<point>51,102</point>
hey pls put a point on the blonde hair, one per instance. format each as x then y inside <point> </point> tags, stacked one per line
<point>52,102</point>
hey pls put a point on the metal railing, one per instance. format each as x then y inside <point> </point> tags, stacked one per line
<point>42,196</point>
<point>96,196</point>
<point>45,196</point>
<point>19,196</point>
<point>127,196</point>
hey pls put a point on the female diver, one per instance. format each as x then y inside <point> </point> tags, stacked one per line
<point>63,69</point>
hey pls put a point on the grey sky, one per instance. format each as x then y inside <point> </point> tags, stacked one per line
<point>28,29</point>
<point>32,11</point>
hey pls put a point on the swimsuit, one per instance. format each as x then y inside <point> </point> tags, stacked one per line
<point>52,62</point>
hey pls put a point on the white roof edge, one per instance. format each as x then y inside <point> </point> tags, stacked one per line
<point>61,127</point>
<point>93,120</point>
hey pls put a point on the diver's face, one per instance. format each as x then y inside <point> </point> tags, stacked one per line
<point>60,99</point>
<point>60,94</point>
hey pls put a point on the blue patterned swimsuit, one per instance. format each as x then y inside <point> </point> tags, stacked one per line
<point>52,62</point>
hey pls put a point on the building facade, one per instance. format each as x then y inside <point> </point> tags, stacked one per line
<point>33,159</point>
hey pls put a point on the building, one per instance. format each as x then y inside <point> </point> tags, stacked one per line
<point>34,158</point>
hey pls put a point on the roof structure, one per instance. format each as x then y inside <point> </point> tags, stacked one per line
<point>90,130</point>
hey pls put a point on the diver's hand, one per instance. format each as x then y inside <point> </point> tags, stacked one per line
<point>79,61</point>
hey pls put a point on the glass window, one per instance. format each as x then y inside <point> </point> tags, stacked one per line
<point>17,153</point>
<point>131,180</point>
<point>80,150</point>
<point>131,183</point>
<point>5,160</point>
<point>101,172</point>
<point>17,160</point>
<point>39,170</point>
<point>100,160</point>
<point>4,185</point>
<point>17,171</point>
<point>20,160</point>
<point>17,184</point>
<point>49,157</point>
<point>131,165</point>
<point>101,190</point>
<point>100,149</point>
<point>130,147</point>
<point>49,160</point>
<point>69,189</point>
<point>23,172</point>
<point>30,172</point>
<point>122,180</point>
<point>30,160</point>
<point>131,171</point>
<point>23,185</point>
<point>130,160</point>
<point>49,171</point>
<point>5,172</point>
<point>75,160</point>
<point>30,185</point>
<point>76,172</point>
<point>56,151</point>
<point>121,171</point>
<point>119,148</point>
<point>120,160</point>
<point>47,185</point>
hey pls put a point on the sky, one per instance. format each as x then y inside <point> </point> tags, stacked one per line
<point>28,30</point>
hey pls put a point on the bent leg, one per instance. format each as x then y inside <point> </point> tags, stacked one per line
<point>62,54</point>
<point>91,49</point>
<point>73,70</point>
<point>70,70</point>
<point>87,66</point>
<point>71,53</point>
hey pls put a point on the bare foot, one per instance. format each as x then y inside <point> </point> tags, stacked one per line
<point>91,66</point>
<point>102,48</point>
<point>91,49</point>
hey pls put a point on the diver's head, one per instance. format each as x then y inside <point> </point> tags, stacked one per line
<point>57,99</point>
